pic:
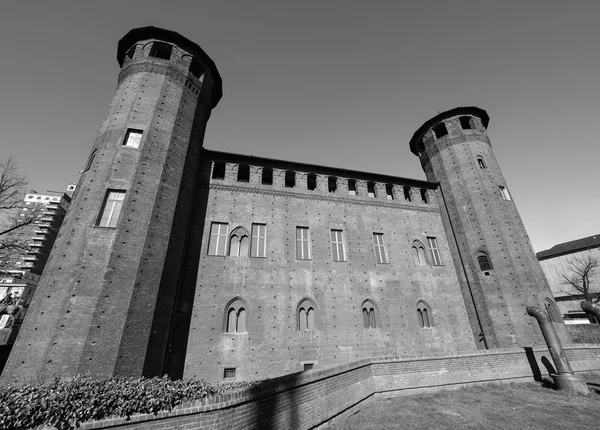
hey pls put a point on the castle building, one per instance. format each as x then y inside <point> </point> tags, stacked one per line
<point>174,259</point>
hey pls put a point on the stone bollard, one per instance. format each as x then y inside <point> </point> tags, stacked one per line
<point>591,308</point>
<point>564,379</point>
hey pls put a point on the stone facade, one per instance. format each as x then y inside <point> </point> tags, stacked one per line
<point>175,259</point>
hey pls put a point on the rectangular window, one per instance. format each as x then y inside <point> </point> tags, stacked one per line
<point>352,187</point>
<point>302,243</point>
<point>259,240</point>
<point>113,202</point>
<point>218,238</point>
<point>229,373</point>
<point>379,246</point>
<point>504,192</point>
<point>132,138</point>
<point>437,260</point>
<point>371,189</point>
<point>337,245</point>
<point>389,191</point>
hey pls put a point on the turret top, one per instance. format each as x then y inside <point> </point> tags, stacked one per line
<point>145,33</point>
<point>466,110</point>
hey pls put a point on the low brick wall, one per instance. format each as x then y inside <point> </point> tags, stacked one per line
<point>311,399</point>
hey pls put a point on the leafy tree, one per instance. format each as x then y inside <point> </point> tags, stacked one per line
<point>581,278</point>
<point>12,189</point>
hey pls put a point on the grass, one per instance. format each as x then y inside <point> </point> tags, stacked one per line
<point>497,406</point>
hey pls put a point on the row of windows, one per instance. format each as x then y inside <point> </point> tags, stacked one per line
<point>240,241</point>
<point>163,51</point>
<point>306,316</point>
<point>243,175</point>
<point>466,123</point>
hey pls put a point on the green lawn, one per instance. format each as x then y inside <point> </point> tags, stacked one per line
<point>498,406</point>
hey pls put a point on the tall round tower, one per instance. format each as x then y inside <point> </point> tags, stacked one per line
<point>105,302</point>
<point>496,265</point>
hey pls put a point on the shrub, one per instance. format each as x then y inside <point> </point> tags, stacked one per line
<point>66,404</point>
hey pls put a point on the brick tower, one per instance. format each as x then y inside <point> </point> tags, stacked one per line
<point>106,300</point>
<point>496,265</point>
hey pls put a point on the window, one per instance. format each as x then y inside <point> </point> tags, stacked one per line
<point>290,179</point>
<point>259,240</point>
<point>440,130</point>
<point>267,176</point>
<point>229,373</point>
<point>131,51</point>
<point>132,138</point>
<point>218,238</point>
<point>332,184</point>
<point>484,262</point>
<point>406,193</point>
<point>236,314</point>
<point>90,161</point>
<point>238,242</point>
<point>424,314</point>
<point>302,243</point>
<point>352,187</point>
<point>311,181</point>
<point>437,260</point>
<point>308,366</point>
<point>161,50</point>
<point>504,193</point>
<point>424,195</point>
<point>378,245</point>
<point>369,315</point>
<point>337,245</point>
<point>481,163</point>
<point>243,173</point>
<point>553,311</point>
<point>306,315</point>
<point>389,191</point>
<point>418,253</point>
<point>465,122</point>
<point>196,68</point>
<point>218,170</point>
<point>371,192</point>
<point>113,202</point>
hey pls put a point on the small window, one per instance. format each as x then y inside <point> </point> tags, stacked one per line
<point>406,190</point>
<point>161,50</point>
<point>238,242</point>
<point>306,315</point>
<point>369,315</point>
<point>433,247</point>
<point>352,187</point>
<point>196,68</point>
<point>424,314</point>
<point>235,316</point>
<point>332,184</point>
<point>484,262</point>
<point>481,163</point>
<point>440,130</point>
<point>90,161</point>
<point>267,176</point>
<point>259,241</point>
<point>379,247</point>
<point>111,208</point>
<point>243,173</point>
<point>218,238</point>
<point>308,366</point>
<point>290,179</point>
<point>424,195</point>
<point>311,182</point>
<point>389,191</point>
<point>553,311</point>
<point>131,52</point>
<point>337,245</point>
<point>302,243</point>
<point>504,193</point>
<point>371,189</point>
<point>218,170</point>
<point>229,373</point>
<point>132,138</point>
<point>418,253</point>
<point>465,122</point>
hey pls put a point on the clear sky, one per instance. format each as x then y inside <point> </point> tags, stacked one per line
<point>337,83</point>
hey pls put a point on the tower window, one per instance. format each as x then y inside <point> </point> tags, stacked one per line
<point>481,163</point>
<point>371,189</point>
<point>302,243</point>
<point>111,208</point>
<point>465,122</point>
<point>504,193</point>
<point>424,314</point>
<point>259,240</point>
<point>332,184</point>
<point>407,193</point>
<point>132,138</point>
<point>337,245</point>
<point>236,314</point>
<point>418,253</point>
<point>311,181</point>
<point>389,191</point>
<point>131,51</point>
<point>267,176</point>
<point>218,238</point>
<point>553,311</point>
<point>218,170</point>
<point>484,262</point>
<point>369,315</point>
<point>424,195</point>
<point>161,50</point>
<point>196,68</point>
<point>433,247</point>
<point>379,247</point>
<point>290,179</point>
<point>243,173</point>
<point>440,130</point>
<point>238,242</point>
<point>308,366</point>
<point>90,161</point>
<point>229,373</point>
<point>306,315</point>
<point>352,187</point>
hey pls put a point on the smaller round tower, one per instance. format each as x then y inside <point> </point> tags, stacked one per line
<point>496,265</point>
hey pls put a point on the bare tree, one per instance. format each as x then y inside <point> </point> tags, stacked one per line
<point>12,189</point>
<point>580,278</point>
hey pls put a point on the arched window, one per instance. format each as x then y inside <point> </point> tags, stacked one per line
<point>369,313</point>
<point>553,311</point>
<point>90,160</point>
<point>418,253</point>
<point>238,242</point>
<point>235,320</point>
<point>424,314</point>
<point>307,315</point>
<point>481,163</point>
<point>484,262</point>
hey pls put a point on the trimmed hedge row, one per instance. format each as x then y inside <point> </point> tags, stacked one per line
<point>65,404</point>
